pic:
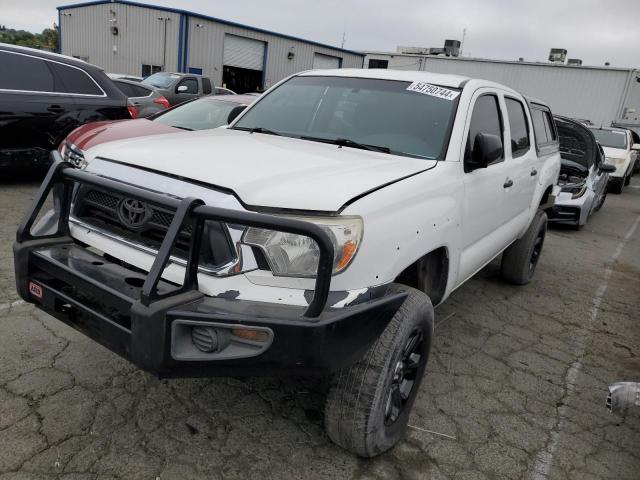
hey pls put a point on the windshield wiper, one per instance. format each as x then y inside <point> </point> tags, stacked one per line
<point>183,128</point>
<point>258,130</point>
<point>347,142</point>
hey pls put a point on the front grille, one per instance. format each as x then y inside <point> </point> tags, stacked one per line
<point>104,210</point>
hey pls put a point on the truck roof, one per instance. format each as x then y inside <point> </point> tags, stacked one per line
<point>441,79</point>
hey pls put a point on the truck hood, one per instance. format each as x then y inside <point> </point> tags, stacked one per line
<point>611,152</point>
<point>265,170</point>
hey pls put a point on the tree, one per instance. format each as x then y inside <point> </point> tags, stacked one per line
<point>47,40</point>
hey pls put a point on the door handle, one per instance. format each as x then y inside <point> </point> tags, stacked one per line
<point>55,109</point>
<point>508,183</point>
<point>534,172</point>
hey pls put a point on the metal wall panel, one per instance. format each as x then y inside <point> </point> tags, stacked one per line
<point>589,93</point>
<point>243,52</point>
<point>86,32</point>
<point>321,61</point>
<point>284,56</point>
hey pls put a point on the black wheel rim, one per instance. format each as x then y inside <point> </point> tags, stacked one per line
<point>537,249</point>
<point>405,377</point>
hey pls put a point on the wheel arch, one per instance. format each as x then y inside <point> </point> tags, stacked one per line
<point>430,273</point>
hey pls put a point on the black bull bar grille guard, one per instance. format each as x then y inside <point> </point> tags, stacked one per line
<point>62,177</point>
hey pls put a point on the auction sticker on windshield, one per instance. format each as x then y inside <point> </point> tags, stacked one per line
<point>433,90</point>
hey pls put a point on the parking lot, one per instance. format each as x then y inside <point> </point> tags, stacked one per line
<point>515,386</point>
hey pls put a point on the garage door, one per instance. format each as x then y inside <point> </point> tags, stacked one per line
<point>243,52</point>
<point>325,61</point>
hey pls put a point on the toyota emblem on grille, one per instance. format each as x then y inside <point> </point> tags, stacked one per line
<point>133,213</point>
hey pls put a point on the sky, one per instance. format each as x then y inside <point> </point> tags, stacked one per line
<point>597,31</point>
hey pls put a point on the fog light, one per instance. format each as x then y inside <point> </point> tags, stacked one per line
<point>209,339</point>
<point>251,335</point>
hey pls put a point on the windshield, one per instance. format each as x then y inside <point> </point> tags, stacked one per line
<point>200,114</point>
<point>610,138</point>
<point>161,79</point>
<point>359,112</point>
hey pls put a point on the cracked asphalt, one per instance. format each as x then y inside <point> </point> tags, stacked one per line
<point>515,387</point>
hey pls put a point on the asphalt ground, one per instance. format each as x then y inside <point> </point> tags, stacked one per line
<point>515,386</point>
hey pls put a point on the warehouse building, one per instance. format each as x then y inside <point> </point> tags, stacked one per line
<point>600,94</point>
<point>139,39</point>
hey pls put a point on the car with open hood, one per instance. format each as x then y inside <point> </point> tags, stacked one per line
<point>314,235</point>
<point>584,174</point>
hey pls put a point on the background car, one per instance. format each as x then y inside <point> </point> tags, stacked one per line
<point>124,76</point>
<point>620,152</point>
<point>144,100</point>
<point>583,174</point>
<point>200,114</point>
<point>635,135</point>
<point>179,87</point>
<point>43,97</point>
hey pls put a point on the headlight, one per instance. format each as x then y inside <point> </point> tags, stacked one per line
<point>291,255</point>
<point>616,162</point>
<point>576,190</point>
<point>72,154</point>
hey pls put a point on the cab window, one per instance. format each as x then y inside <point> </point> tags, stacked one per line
<point>191,84</point>
<point>486,118</point>
<point>518,126</point>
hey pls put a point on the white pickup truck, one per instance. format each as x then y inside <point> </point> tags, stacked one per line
<point>314,235</point>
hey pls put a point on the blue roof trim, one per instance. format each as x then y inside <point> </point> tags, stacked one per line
<point>207,17</point>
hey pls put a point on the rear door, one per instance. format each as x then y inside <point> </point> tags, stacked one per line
<point>32,108</point>
<point>524,161</point>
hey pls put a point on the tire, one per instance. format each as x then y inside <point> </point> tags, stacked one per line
<point>520,259</point>
<point>359,414</point>
<point>601,203</point>
<point>617,187</point>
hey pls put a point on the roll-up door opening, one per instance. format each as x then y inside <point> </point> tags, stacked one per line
<point>321,61</point>
<point>243,63</point>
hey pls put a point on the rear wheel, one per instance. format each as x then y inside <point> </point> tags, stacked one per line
<point>519,261</point>
<point>601,202</point>
<point>368,405</point>
<point>617,186</point>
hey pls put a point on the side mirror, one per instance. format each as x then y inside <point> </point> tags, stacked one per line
<point>181,89</point>
<point>607,168</point>
<point>487,148</point>
<point>636,147</point>
<point>233,114</point>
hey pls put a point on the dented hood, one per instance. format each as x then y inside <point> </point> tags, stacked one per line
<point>265,170</point>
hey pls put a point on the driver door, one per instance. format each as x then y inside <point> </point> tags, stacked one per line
<point>487,191</point>
<point>186,89</point>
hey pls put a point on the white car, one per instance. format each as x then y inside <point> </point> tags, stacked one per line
<point>312,236</point>
<point>621,152</point>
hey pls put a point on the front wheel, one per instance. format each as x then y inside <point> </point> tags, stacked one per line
<point>368,404</point>
<point>520,259</point>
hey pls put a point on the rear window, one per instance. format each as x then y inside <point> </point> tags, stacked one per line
<point>206,86</point>
<point>518,126</point>
<point>75,80</point>
<point>543,126</point>
<point>538,126</point>
<point>22,72</point>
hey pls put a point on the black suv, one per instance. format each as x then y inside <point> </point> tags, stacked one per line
<point>43,96</point>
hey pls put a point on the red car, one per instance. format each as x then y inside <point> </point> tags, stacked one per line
<point>199,114</point>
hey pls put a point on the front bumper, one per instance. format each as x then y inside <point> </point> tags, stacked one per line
<point>147,320</point>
